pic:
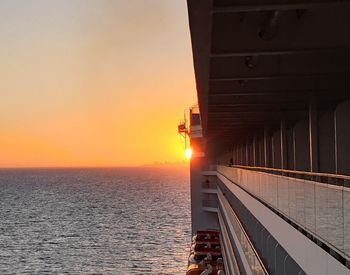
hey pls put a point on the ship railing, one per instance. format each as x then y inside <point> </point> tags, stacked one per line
<point>329,178</point>
<point>318,209</point>
<point>249,259</point>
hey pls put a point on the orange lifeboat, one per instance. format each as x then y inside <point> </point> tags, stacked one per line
<point>205,253</point>
<point>195,269</point>
<point>206,236</point>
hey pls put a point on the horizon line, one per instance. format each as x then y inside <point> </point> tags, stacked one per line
<point>91,166</point>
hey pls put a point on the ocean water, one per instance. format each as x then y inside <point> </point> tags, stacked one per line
<point>94,221</point>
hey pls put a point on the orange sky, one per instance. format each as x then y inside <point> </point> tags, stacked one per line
<point>93,83</point>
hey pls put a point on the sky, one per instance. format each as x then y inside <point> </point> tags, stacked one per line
<point>93,82</point>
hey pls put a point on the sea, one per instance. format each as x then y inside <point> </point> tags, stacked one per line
<point>95,220</point>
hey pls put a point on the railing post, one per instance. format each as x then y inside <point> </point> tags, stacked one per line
<point>313,134</point>
<point>283,145</point>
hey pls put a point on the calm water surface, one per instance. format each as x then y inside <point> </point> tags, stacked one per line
<point>94,221</point>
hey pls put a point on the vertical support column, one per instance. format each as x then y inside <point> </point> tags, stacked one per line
<point>284,164</point>
<point>326,141</point>
<point>239,155</point>
<point>244,159</point>
<point>266,148</point>
<point>251,152</point>
<point>233,154</point>
<point>254,151</point>
<point>247,153</point>
<point>335,142</point>
<point>302,146</point>
<point>236,155</point>
<point>342,137</point>
<point>294,150</point>
<point>272,152</point>
<point>289,140</point>
<point>313,135</point>
<point>260,152</point>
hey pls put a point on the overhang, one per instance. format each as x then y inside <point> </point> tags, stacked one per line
<point>260,62</point>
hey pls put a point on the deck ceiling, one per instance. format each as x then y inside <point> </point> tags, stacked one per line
<point>258,62</point>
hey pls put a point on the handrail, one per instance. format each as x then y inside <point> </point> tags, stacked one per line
<point>223,201</point>
<point>230,259</point>
<point>308,227</point>
<point>298,172</point>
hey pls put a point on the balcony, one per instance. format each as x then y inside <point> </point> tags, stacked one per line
<point>321,211</point>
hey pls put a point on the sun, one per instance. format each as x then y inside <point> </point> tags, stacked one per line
<point>188,153</point>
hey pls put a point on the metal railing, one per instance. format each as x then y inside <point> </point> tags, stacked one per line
<point>253,261</point>
<point>329,178</point>
<point>321,209</point>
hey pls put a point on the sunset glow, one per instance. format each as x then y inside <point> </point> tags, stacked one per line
<point>188,153</point>
<point>93,83</point>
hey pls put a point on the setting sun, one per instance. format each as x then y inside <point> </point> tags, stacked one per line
<point>188,153</point>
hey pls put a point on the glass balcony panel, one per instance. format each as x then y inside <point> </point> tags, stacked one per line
<point>335,234</point>
<point>310,209</point>
<point>321,194</point>
<point>320,208</point>
<point>300,201</point>
<point>292,200</point>
<point>346,214</point>
<point>282,189</point>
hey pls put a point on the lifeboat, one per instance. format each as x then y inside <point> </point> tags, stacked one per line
<point>205,238</point>
<point>213,242</point>
<point>206,247</point>
<point>199,256</point>
<point>195,269</point>
<point>205,255</point>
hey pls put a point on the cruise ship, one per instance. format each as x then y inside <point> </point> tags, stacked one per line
<point>270,137</point>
